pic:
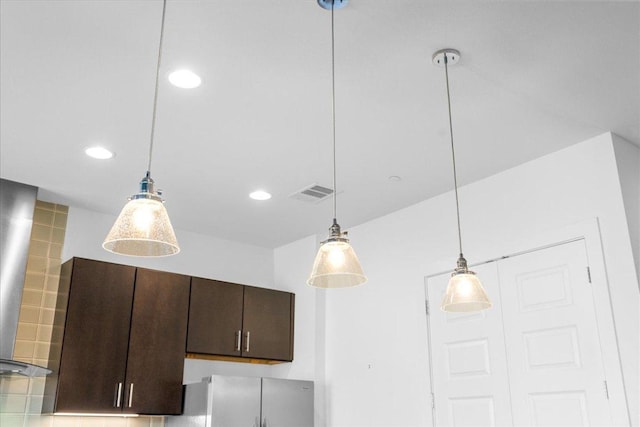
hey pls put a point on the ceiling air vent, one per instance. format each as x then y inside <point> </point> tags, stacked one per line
<point>313,193</point>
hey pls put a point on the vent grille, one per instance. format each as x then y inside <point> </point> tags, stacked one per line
<point>313,193</point>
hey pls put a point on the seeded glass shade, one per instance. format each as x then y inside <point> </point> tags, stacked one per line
<point>142,229</point>
<point>465,293</point>
<point>336,266</point>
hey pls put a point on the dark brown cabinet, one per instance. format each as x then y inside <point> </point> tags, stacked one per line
<point>118,340</point>
<point>215,318</point>
<point>237,321</point>
<point>267,324</point>
<point>120,335</point>
<point>157,340</point>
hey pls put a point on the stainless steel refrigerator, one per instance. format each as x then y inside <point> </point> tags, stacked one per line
<point>224,401</point>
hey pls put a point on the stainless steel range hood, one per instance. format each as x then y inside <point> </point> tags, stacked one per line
<point>17,202</point>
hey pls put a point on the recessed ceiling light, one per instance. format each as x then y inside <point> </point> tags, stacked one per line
<point>260,195</point>
<point>185,79</point>
<point>100,153</point>
<point>395,178</point>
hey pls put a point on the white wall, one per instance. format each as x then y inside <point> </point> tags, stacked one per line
<point>376,349</point>
<point>628,160</point>
<point>199,255</point>
<point>292,265</point>
<point>366,347</point>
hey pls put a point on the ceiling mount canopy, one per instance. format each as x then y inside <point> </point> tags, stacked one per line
<point>332,4</point>
<point>143,227</point>
<point>451,55</point>
<point>464,292</point>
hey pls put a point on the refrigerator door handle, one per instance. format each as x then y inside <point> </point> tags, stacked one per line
<point>238,340</point>
<point>248,342</point>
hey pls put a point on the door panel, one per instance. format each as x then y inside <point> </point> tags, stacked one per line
<point>215,317</point>
<point>559,409</point>
<point>472,411</point>
<point>287,403</point>
<point>555,360</point>
<point>267,324</point>
<point>469,374</point>
<point>96,337</point>
<point>235,401</point>
<point>157,343</point>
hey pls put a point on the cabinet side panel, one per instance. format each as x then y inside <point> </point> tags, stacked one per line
<point>57,335</point>
<point>96,336</point>
<point>267,318</point>
<point>157,343</point>
<point>292,326</point>
<point>215,318</point>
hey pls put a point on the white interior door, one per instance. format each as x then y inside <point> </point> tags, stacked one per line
<point>553,348</point>
<point>534,358</point>
<point>469,369</point>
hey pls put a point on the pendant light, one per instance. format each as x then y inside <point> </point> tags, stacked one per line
<point>143,227</point>
<point>464,291</point>
<point>336,264</point>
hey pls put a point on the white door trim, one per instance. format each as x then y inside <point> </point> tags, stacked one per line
<point>589,231</point>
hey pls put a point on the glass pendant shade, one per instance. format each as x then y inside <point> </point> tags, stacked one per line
<point>143,227</point>
<point>336,264</point>
<point>465,293</point>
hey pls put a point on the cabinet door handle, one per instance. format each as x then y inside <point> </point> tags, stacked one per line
<point>248,342</point>
<point>130,395</point>
<point>118,397</point>
<point>238,340</point>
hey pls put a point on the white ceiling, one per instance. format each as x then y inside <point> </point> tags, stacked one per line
<point>534,78</point>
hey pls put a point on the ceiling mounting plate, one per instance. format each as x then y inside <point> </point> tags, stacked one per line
<point>453,56</point>
<point>335,4</point>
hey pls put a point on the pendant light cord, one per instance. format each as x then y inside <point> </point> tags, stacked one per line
<point>453,154</point>
<point>155,95</point>
<point>333,110</point>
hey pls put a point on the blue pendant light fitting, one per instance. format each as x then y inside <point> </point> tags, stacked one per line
<point>336,264</point>
<point>143,227</point>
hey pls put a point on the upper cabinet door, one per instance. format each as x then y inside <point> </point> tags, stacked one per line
<point>268,324</point>
<point>215,318</point>
<point>157,343</point>
<point>96,337</point>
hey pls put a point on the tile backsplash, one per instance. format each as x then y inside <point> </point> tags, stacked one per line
<point>21,397</point>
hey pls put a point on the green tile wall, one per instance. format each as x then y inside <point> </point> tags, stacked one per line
<point>20,397</point>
